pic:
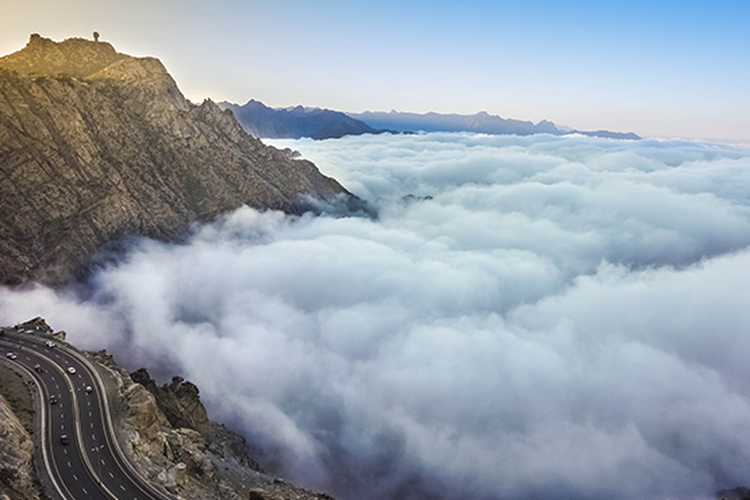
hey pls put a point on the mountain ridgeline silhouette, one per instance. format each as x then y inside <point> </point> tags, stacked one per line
<point>482,122</point>
<point>297,122</point>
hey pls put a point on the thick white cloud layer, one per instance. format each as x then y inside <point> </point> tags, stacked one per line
<point>565,317</point>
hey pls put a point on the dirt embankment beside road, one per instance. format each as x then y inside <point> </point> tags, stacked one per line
<point>18,479</point>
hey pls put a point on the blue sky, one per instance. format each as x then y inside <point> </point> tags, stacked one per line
<point>663,69</point>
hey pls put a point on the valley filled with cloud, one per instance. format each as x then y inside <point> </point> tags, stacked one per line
<point>528,317</point>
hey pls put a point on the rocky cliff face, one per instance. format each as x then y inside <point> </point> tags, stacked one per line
<point>16,457</point>
<point>96,145</point>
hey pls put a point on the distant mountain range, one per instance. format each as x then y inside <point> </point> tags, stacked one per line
<point>316,123</point>
<point>296,122</point>
<point>481,122</point>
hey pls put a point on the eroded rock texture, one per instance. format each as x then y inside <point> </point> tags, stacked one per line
<point>16,457</point>
<point>96,145</point>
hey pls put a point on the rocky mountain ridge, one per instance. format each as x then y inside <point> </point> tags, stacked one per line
<point>296,122</point>
<point>96,145</point>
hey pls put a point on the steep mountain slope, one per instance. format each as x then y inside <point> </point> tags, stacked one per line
<point>293,123</point>
<point>95,145</point>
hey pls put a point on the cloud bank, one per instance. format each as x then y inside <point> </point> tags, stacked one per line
<point>544,317</point>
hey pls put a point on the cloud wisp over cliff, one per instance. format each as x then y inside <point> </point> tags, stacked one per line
<point>543,317</point>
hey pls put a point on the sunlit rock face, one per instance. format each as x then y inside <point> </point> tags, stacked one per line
<point>96,145</point>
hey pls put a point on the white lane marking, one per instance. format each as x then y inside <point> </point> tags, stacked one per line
<point>84,490</point>
<point>122,487</point>
<point>89,414</point>
<point>75,477</point>
<point>69,464</point>
<point>65,450</point>
<point>111,475</point>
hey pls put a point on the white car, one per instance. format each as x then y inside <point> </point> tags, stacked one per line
<point>11,355</point>
<point>89,388</point>
<point>50,344</point>
<point>71,370</point>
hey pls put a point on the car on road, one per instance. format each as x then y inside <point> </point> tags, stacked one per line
<point>53,400</point>
<point>71,370</point>
<point>11,355</point>
<point>64,439</point>
<point>89,388</point>
<point>38,368</point>
<point>50,344</point>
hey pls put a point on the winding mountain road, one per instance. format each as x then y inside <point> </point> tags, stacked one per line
<point>80,453</point>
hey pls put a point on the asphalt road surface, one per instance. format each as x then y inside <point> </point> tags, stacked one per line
<point>89,466</point>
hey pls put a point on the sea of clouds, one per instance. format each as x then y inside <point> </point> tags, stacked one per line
<point>544,317</point>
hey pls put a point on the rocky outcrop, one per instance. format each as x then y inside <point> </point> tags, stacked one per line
<point>39,326</point>
<point>96,145</point>
<point>179,401</point>
<point>168,436</point>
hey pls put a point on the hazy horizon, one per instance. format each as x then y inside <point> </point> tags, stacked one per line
<point>527,317</point>
<point>659,69</point>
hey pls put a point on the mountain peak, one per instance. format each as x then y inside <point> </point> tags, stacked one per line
<point>98,145</point>
<point>73,58</point>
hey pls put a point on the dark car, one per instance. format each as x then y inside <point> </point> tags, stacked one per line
<point>53,400</point>
<point>38,368</point>
<point>64,439</point>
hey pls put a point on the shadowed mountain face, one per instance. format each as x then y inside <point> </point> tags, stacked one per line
<point>481,122</point>
<point>96,145</point>
<point>293,123</point>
